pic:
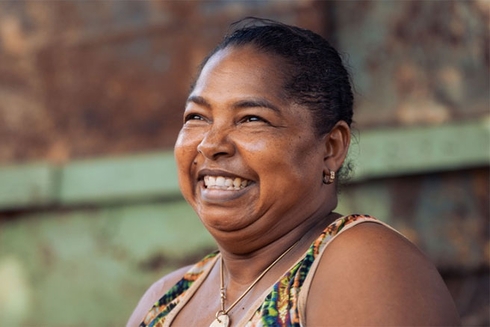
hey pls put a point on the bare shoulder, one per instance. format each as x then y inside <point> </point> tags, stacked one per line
<point>371,276</point>
<point>154,293</point>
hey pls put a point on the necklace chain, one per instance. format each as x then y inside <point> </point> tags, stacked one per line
<point>224,312</point>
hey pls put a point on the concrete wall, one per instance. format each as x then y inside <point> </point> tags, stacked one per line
<point>91,95</point>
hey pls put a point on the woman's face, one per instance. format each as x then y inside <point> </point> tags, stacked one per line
<point>248,159</point>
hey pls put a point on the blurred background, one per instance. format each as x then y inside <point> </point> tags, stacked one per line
<point>91,99</point>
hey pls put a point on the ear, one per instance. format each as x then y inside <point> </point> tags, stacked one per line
<point>337,143</point>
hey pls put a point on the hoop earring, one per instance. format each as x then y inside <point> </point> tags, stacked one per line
<point>330,179</point>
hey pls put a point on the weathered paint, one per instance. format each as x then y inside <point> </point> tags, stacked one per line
<point>376,153</point>
<point>416,62</point>
<point>445,214</point>
<point>382,153</point>
<point>85,79</point>
<point>127,178</point>
<point>119,219</point>
<point>88,267</point>
<point>28,185</point>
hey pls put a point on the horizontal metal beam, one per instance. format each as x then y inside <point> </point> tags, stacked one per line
<point>375,154</point>
<point>135,177</point>
<point>28,185</point>
<point>416,150</point>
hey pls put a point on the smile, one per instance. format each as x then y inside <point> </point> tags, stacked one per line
<point>225,183</point>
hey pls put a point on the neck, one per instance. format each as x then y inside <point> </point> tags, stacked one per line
<point>242,269</point>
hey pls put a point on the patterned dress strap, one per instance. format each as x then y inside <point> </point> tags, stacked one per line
<point>169,301</point>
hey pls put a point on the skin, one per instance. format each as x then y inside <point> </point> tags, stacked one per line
<point>237,123</point>
<point>372,276</point>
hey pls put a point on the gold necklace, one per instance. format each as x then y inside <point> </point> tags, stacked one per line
<point>222,318</point>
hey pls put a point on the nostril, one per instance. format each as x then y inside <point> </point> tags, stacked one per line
<point>221,154</point>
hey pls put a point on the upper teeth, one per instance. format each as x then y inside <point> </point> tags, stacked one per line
<point>225,182</point>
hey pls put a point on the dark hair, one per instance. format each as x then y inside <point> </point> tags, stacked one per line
<point>314,73</point>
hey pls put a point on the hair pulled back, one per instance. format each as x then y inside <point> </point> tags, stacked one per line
<point>314,74</point>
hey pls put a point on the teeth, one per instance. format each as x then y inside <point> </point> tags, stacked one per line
<point>225,183</point>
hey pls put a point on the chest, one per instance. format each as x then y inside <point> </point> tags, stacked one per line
<point>201,307</point>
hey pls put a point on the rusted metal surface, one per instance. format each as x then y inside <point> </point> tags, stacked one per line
<point>417,62</point>
<point>82,79</point>
<point>109,77</point>
<point>93,78</point>
<point>447,216</point>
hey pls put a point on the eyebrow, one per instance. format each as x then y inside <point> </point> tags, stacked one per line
<point>246,103</point>
<point>198,100</point>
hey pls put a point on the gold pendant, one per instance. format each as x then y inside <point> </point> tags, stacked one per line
<point>221,321</point>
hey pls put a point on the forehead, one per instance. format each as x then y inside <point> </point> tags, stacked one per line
<point>241,69</point>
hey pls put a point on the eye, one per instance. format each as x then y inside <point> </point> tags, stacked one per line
<point>253,119</point>
<point>190,117</point>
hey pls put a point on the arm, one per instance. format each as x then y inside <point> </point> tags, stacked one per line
<point>371,276</point>
<point>153,294</point>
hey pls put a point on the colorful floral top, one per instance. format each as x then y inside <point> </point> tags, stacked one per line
<point>280,307</point>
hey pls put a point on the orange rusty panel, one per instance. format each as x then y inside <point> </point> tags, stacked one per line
<point>81,79</point>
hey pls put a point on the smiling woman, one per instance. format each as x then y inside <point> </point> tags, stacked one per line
<point>266,130</point>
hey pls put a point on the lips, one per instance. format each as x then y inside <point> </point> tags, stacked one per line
<point>225,183</point>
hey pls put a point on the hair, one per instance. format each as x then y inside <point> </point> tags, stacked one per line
<point>314,75</point>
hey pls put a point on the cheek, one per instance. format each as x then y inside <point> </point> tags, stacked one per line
<point>284,158</point>
<point>185,151</point>
<point>185,147</point>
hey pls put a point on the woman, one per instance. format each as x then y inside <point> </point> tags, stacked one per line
<point>266,131</point>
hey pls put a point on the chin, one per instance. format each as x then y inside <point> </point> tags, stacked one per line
<point>222,221</point>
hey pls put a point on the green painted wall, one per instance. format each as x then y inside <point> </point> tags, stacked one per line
<point>88,266</point>
<point>80,242</point>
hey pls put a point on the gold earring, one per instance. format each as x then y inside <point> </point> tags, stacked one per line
<point>330,179</point>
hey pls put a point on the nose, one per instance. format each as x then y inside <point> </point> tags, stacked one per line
<point>216,143</point>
